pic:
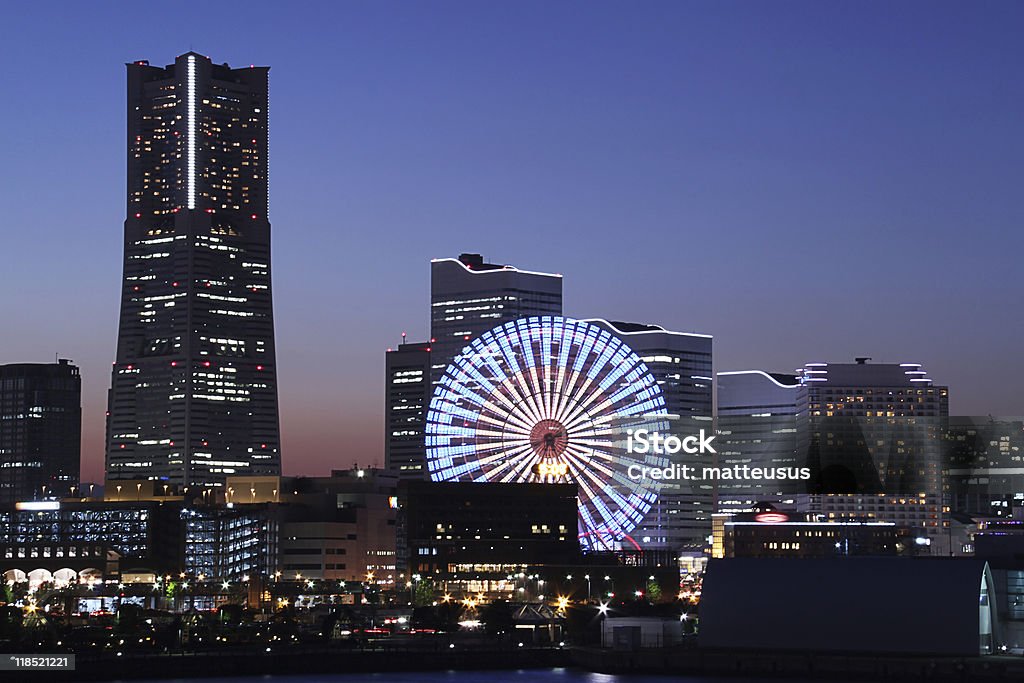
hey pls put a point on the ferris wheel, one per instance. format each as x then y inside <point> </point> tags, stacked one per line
<point>550,399</point>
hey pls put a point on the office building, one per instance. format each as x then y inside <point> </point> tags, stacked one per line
<point>90,540</point>
<point>877,444</point>
<point>193,395</point>
<point>985,472</point>
<point>40,430</point>
<point>231,543</point>
<point>776,533</point>
<point>406,399</point>
<point>762,422</point>
<point>681,364</point>
<point>477,538</point>
<point>340,527</point>
<point>469,297</point>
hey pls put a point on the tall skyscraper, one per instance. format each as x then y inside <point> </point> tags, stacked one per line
<point>681,363</point>
<point>406,398</point>
<point>762,422</point>
<point>469,297</point>
<point>877,442</point>
<point>193,394</point>
<point>40,430</point>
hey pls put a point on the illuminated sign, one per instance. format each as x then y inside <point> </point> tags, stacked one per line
<point>552,469</point>
<point>38,505</point>
<point>771,517</point>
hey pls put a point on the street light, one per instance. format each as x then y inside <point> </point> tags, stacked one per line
<point>587,577</point>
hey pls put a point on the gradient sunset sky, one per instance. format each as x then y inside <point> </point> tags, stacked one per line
<point>805,181</point>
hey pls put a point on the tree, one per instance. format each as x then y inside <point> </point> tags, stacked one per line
<point>653,591</point>
<point>422,593</point>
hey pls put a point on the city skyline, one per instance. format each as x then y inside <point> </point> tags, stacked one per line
<point>763,215</point>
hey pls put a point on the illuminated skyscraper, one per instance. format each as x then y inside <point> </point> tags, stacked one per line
<point>406,398</point>
<point>193,394</point>
<point>469,297</point>
<point>878,434</point>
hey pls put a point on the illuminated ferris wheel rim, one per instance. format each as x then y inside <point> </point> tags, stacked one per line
<point>548,399</point>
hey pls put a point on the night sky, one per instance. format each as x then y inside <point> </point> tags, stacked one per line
<point>805,181</point>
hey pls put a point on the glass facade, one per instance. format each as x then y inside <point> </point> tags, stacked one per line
<point>877,448</point>
<point>762,422</point>
<point>193,394</point>
<point>40,430</point>
<point>146,535</point>
<point>986,465</point>
<point>231,543</point>
<point>469,297</point>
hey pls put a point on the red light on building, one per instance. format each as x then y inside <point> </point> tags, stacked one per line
<point>771,517</point>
